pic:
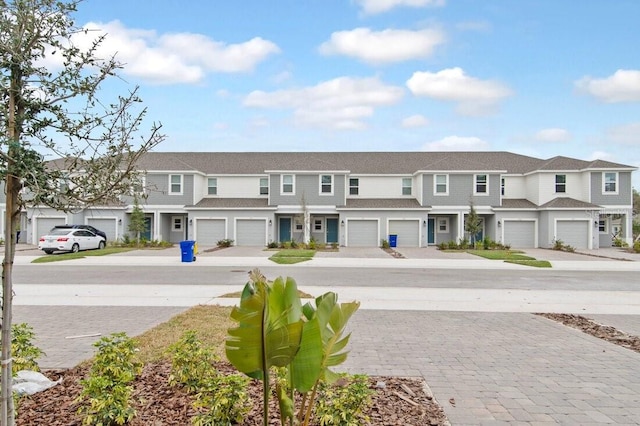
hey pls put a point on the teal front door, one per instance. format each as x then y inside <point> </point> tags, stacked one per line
<point>332,230</point>
<point>146,234</point>
<point>284,226</point>
<point>431,231</point>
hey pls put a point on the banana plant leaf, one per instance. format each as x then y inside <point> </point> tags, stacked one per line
<point>263,337</point>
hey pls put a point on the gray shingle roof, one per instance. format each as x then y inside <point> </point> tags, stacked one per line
<point>568,203</point>
<point>242,203</point>
<point>519,203</point>
<point>383,203</point>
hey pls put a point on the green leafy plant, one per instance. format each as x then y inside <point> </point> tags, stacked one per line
<point>275,330</point>
<point>25,353</point>
<point>225,243</point>
<point>343,403</point>
<point>221,399</point>
<point>106,392</point>
<point>384,244</point>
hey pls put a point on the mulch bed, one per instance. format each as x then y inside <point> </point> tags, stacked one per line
<point>397,401</point>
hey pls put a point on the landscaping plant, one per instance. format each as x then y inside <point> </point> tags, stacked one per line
<point>25,353</point>
<point>106,392</point>
<point>275,330</point>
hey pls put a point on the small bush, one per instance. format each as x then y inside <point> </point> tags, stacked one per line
<point>619,242</point>
<point>272,245</point>
<point>225,243</point>
<point>452,245</point>
<point>636,247</point>
<point>334,246</point>
<point>344,402</point>
<point>106,392</point>
<point>25,353</point>
<point>464,244</point>
<point>286,245</point>
<point>384,244</point>
<point>313,245</point>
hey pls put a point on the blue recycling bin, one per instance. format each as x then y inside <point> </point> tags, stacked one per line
<point>187,248</point>
<point>393,240</point>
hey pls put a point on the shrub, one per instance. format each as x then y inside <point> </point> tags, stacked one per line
<point>636,247</point>
<point>190,361</point>
<point>312,244</point>
<point>107,388</point>
<point>286,245</point>
<point>464,244</point>
<point>225,243</point>
<point>344,402</point>
<point>334,245</point>
<point>384,244</point>
<point>557,245</point>
<point>442,246</point>
<point>619,242</point>
<point>452,245</point>
<point>272,245</point>
<point>24,352</point>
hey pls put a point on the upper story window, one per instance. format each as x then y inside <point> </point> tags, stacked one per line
<point>610,182</point>
<point>264,186</point>
<point>326,184</point>
<point>354,186</point>
<point>406,186</point>
<point>561,183</point>
<point>288,184</point>
<point>441,183</point>
<point>175,184</point>
<point>212,186</point>
<point>63,185</point>
<point>481,185</point>
<point>501,186</point>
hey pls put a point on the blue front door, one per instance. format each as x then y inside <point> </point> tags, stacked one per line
<point>431,231</point>
<point>285,229</point>
<point>146,234</point>
<point>332,230</point>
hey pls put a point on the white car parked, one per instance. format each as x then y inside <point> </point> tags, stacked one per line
<point>72,240</point>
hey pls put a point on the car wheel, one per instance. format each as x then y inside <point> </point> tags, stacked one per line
<point>75,248</point>
<point>101,245</point>
<point>48,251</point>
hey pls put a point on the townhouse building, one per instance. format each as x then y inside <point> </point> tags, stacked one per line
<point>360,198</point>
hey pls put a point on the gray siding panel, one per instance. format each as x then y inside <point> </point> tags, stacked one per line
<point>461,187</point>
<point>307,187</point>
<point>624,190</point>
<point>157,187</point>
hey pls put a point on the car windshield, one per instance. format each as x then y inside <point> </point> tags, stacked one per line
<point>59,231</point>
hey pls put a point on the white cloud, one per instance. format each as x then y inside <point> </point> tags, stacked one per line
<point>416,120</point>
<point>628,134</point>
<point>171,58</point>
<point>372,7</point>
<point>473,96</point>
<point>341,103</point>
<point>379,47</point>
<point>457,143</point>
<point>553,135</point>
<point>622,86</point>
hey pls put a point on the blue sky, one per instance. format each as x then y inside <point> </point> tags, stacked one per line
<point>536,77</point>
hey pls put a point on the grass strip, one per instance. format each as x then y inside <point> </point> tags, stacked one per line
<point>58,257</point>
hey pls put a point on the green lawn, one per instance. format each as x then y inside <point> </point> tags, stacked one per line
<point>291,256</point>
<point>511,256</point>
<point>56,257</point>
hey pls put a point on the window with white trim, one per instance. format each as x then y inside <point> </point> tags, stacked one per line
<point>175,184</point>
<point>406,186</point>
<point>481,185</point>
<point>288,184</point>
<point>502,185</point>
<point>212,186</point>
<point>561,183</point>
<point>354,186</point>
<point>297,224</point>
<point>264,186</point>
<point>443,225</point>
<point>326,184</point>
<point>177,223</point>
<point>610,182</point>
<point>318,225</point>
<point>441,183</point>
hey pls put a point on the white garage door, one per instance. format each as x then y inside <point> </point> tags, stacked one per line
<point>407,231</point>
<point>362,233</point>
<point>44,225</point>
<point>252,232</point>
<point>519,234</point>
<point>574,233</point>
<point>108,226</point>
<point>209,231</point>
